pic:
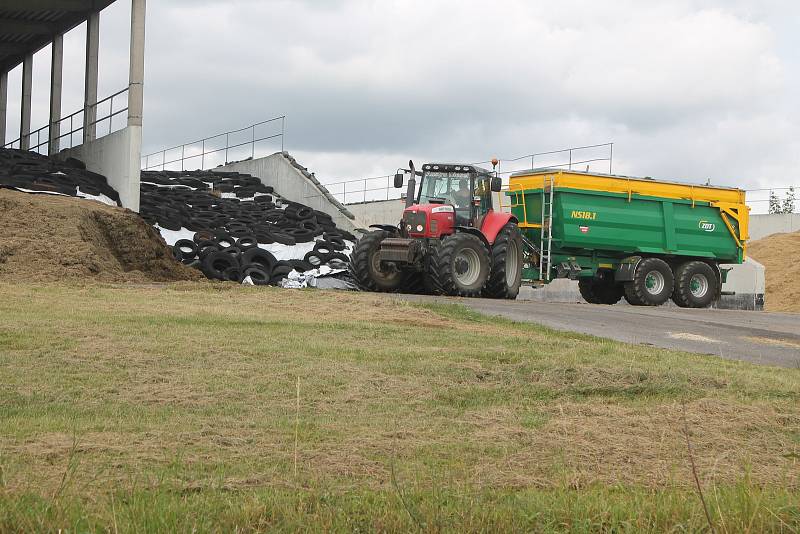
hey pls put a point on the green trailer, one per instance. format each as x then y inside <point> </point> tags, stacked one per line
<point>638,238</point>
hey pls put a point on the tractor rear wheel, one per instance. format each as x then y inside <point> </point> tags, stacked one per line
<point>506,275</point>
<point>459,266</point>
<point>366,264</point>
<point>695,285</point>
<point>652,283</point>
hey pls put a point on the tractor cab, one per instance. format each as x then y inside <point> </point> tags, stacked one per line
<point>448,196</point>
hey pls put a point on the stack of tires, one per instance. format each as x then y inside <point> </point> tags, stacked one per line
<point>235,219</point>
<point>222,256</point>
<point>690,284</point>
<point>29,171</point>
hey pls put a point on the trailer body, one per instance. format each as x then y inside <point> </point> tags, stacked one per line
<point>582,223</point>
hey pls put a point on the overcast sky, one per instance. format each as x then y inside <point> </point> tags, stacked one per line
<point>685,90</point>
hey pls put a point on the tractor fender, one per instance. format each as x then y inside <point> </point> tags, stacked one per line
<point>493,222</point>
<point>388,227</point>
<point>475,232</point>
<point>627,268</point>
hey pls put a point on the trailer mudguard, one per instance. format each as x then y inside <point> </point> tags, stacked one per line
<point>626,269</point>
<point>493,222</point>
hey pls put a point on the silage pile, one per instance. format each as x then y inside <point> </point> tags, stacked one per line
<point>780,255</point>
<point>53,237</point>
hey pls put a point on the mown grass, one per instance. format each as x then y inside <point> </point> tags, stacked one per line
<point>175,408</point>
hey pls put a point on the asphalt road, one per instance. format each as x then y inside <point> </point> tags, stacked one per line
<point>759,337</point>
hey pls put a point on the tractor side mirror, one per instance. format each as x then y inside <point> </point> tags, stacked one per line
<point>497,184</point>
<point>398,180</point>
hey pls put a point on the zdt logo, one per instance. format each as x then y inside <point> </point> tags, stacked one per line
<point>707,226</point>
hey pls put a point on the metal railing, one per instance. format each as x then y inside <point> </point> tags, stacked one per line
<point>193,150</point>
<point>76,117</point>
<point>376,188</point>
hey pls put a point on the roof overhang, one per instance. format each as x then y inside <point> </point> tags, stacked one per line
<point>27,26</point>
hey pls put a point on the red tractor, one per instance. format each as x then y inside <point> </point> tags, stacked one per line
<point>449,242</point>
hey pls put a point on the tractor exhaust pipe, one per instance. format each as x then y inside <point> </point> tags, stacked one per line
<point>412,184</point>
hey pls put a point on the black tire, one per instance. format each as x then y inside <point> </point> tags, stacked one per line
<point>315,258</point>
<point>260,257</point>
<point>696,285</point>
<point>505,279</point>
<point>184,249</point>
<point>233,274</point>
<point>459,266</point>
<point>257,274</point>
<point>216,263</point>
<point>652,283</point>
<point>366,267</point>
<point>600,291</point>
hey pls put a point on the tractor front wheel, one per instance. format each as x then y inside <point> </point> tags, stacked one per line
<point>459,266</point>
<point>366,264</point>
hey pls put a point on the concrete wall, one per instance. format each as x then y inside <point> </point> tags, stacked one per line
<point>116,156</point>
<point>378,212</point>
<point>764,225</point>
<point>295,183</point>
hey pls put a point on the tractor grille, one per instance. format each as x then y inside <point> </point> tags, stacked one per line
<point>412,220</point>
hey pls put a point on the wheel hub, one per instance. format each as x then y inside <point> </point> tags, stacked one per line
<point>654,282</point>
<point>698,285</point>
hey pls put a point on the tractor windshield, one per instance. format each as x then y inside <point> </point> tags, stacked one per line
<point>450,187</point>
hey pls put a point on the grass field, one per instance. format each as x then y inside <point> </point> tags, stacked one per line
<point>211,407</point>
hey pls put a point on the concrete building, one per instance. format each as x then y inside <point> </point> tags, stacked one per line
<point>27,26</point>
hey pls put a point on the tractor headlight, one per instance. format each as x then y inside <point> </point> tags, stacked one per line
<point>420,228</point>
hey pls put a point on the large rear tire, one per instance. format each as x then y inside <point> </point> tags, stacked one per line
<point>506,274</point>
<point>459,266</point>
<point>365,262</point>
<point>652,283</point>
<point>696,285</point>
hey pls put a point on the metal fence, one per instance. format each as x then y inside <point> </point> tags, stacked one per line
<point>758,199</point>
<point>76,125</point>
<point>598,158</point>
<point>212,151</point>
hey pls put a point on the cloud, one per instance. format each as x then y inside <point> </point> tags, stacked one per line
<point>685,89</point>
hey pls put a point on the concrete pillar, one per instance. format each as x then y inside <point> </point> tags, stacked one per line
<point>90,83</point>
<point>136,76</point>
<point>25,108</point>
<point>3,106</point>
<point>56,71</point>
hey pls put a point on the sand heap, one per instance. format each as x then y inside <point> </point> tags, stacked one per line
<point>51,238</point>
<point>780,254</point>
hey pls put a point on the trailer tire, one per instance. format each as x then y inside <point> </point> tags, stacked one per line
<point>695,285</point>
<point>652,283</point>
<point>506,274</point>
<point>602,291</point>
<point>366,264</point>
<point>459,266</point>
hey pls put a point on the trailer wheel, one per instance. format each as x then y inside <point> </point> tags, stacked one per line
<point>460,265</point>
<point>602,291</point>
<point>366,264</point>
<point>652,283</point>
<point>695,285</point>
<point>506,274</point>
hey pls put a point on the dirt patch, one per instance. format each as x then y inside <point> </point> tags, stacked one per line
<point>49,238</point>
<point>780,254</point>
